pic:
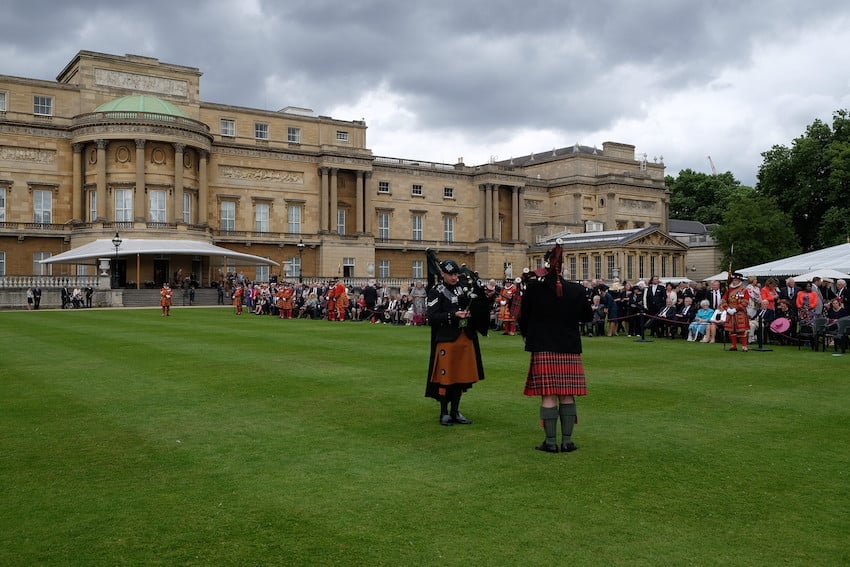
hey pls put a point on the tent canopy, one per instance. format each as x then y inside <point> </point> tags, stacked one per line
<point>834,257</point>
<point>826,273</point>
<point>103,248</point>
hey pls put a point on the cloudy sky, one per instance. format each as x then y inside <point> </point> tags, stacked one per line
<point>481,79</point>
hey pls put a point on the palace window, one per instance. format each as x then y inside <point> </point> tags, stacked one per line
<point>663,266</point>
<point>383,268</point>
<point>228,216</point>
<point>585,268</point>
<point>228,127</point>
<point>573,269</point>
<point>123,205</point>
<point>448,229</point>
<point>348,267</point>
<point>630,268</point>
<point>384,226</point>
<point>261,131</point>
<point>157,206</point>
<point>416,221</point>
<point>342,136</point>
<point>261,273</point>
<point>187,208</point>
<point>610,267</point>
<point>3,101</point>
<point>641,270</point>
<point>652,269</point>
<point>417,271</point>
<point>42,206</point>
<point>448,193</point>
<point>261,217</point>
<point>2,205</point>
<point>293,135</point>
<point>42,105</point>
<point>2,263</point>
<point>92,205</point>
<point>293,219</point>
<point>416,190</point>
<point>383,186</point>
<point>341,215</point>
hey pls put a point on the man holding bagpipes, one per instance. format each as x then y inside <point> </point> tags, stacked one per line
<point>458,309</point>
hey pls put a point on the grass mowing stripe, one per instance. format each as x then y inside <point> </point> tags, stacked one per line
<point>209,438</point>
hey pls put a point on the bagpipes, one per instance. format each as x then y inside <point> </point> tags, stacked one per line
<point>475,297</point>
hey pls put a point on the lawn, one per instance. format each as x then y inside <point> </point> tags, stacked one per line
<point>204,438</point>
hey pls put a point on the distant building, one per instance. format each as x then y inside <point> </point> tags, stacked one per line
<point>703,258</point>
<point>125,144</point>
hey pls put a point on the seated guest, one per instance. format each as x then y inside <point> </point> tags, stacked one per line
<point>784,310</point>
<point>660,324</point>
<point>699,328</point>
<point>686,313</point>
<point>599,310</point>
<point>762,317</point>
<point>835,310</point>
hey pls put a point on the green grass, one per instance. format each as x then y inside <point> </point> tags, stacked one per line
<point>210,439</point>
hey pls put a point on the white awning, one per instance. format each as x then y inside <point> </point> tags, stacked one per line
<point>103,248</point>
<point>834,257</point>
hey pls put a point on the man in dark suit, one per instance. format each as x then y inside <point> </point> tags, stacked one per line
<point>655,295</point>
<point>660,325</point>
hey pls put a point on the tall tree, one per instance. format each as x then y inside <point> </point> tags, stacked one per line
<point>757,229</point>
<point>810,181</point>
<point>702,197</point>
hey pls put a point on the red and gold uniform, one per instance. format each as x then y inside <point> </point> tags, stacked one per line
<point>337,302</point>
<point>285,302</point>
<point>165,300</point>
<point>506,312</point>
<point>735,301</point>
<point>237,299</point>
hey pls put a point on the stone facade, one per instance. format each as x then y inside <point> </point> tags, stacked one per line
<point>261,182</point>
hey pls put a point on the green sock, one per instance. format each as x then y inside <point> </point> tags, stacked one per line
<point>549,417</point>
<point>568,421</point>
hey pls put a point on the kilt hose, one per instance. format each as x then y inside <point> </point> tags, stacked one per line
<point>555,374</point>
<point>455,363</point>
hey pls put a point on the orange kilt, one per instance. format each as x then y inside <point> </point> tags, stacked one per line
<point>455,363</point>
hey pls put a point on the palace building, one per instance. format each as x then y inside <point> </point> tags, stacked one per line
<point>125,146</point>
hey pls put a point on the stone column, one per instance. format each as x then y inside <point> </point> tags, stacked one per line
<point>178,182</point>
<point>367,204</point>
<point>515,213</point>
<point>482,204</point>
<point>333,200</point>
<point>488,208</point>
<point>203,188</point>
<point>77,182</point>
<point>101,179</point>
<point>323,199</point>
<point>358,203</point>
<point>139,195</point>
<point>496,234</point>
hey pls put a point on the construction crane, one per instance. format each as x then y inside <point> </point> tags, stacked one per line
<point>711,163</point>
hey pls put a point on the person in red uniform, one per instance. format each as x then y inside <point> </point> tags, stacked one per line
<point>506,314</point>
<point>337,301</point>
<point>552,313</point>
<point>237,298</point>
<point>735,301</point>
<point>284,301</point>
<point>165,300</point>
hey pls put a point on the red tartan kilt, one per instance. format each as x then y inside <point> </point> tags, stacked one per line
<point>555,374</point>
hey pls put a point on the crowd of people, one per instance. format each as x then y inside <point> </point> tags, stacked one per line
<point>744,309</point>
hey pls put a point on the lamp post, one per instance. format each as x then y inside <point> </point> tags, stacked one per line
<point>300,260</point>
<point>116,242</point>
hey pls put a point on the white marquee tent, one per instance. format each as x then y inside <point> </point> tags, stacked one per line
<point>832,258</point>
<point>103,248</point>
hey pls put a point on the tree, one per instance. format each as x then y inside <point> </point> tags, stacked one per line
<point>702,197</point>
<point>810,181</point>
<point>759,231</point>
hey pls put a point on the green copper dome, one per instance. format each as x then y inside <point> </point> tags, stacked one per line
<point>141,103</point>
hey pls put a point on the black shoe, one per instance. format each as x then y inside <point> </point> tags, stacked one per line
<point>446,420</point>
<point>547,448</point>
<point>458,418</point>
<point>568,447</point>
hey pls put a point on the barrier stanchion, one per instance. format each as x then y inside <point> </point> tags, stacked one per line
<point>761,347</point>
<point>642,338</point>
